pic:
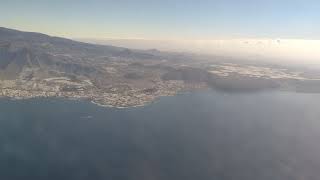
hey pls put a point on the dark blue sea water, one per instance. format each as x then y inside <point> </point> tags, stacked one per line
<point>202,135</point>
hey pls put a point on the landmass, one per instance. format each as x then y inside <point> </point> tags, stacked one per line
<point>37,65</point>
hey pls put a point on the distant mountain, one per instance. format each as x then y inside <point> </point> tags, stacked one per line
<point>35,50</point>
<point>42,42</point>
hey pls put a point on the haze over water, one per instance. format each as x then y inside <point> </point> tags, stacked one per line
<point>202,135</point>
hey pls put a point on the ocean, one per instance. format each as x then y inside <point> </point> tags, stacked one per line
<point>205,135</point>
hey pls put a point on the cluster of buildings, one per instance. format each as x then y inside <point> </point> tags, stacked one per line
<point>128,98</point>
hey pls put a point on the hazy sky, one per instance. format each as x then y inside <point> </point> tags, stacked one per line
<point>165,19</point>
<point>276,30</point>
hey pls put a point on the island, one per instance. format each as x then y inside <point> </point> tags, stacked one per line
<point>37,65</point>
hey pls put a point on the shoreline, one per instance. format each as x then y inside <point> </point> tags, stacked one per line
<point>86,100</point>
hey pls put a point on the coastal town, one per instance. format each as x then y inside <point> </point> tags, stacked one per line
<point>114,97</point>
